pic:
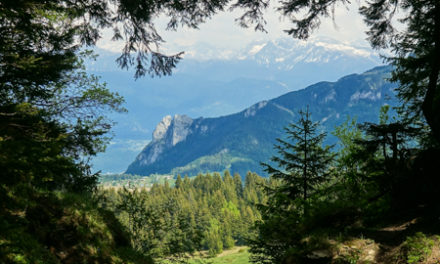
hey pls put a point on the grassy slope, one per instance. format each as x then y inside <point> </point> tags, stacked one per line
<point>237,255</point>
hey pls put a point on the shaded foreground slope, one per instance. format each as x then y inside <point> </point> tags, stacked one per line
<point>64,228</point>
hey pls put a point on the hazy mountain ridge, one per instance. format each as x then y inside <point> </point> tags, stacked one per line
<point>240,141</point>
<point>215,87</point>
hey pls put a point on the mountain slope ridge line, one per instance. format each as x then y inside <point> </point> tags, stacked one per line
<point>251,133</point>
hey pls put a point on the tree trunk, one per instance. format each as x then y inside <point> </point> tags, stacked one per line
<point>430,106</point>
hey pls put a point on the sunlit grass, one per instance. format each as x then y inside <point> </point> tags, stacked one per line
<point>233,256</point>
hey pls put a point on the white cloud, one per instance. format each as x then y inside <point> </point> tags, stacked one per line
<point>136,127</point>
<point>132,145</point>
<point>136,145</point>
<point>223,33</point>
<point>107,44</point>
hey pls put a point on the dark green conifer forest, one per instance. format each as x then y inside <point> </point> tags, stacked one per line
<point>209,212</point>
<point>373,198</point>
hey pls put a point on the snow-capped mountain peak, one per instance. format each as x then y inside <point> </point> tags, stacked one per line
<point>286,53</point>
<point>256,48</point>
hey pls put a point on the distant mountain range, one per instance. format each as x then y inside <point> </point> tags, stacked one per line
<point>212,83</point>
<point>293,63</point>
<point>239,141</point>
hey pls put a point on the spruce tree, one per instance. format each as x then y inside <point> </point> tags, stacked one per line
<point>302,162</point>
<point>303,165</point>
<point>385,154</point>
<point>178,184</point>
<point>238,185</point>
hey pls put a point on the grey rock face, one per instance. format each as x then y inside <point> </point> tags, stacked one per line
<point>150,153</point>
<point>166,135</point>
<point>251,111</point>
<point>162,128</point>
<point>180,129</point>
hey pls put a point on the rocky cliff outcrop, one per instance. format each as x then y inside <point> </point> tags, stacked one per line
<point>169,132</point>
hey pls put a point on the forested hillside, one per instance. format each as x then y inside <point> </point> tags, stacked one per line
<point>208,212</point>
